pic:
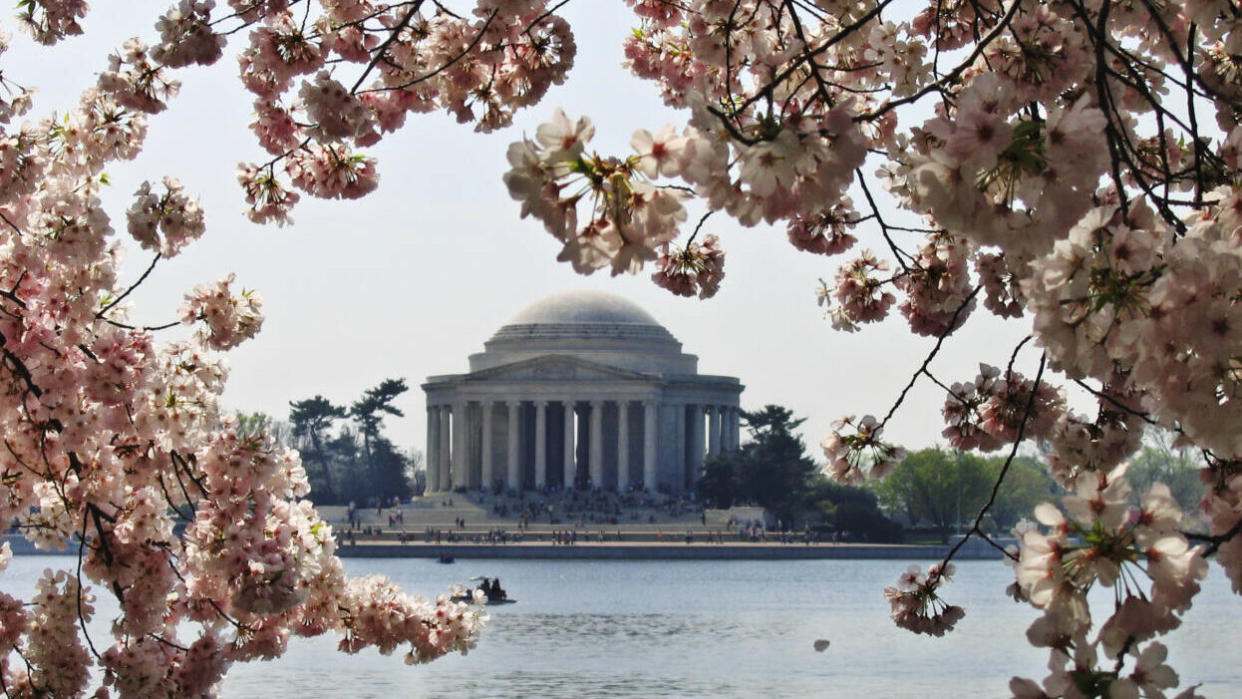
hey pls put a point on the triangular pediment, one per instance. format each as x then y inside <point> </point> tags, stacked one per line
<point>556,367</point>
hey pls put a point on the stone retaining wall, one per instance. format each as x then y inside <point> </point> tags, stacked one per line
<point>732,551</point>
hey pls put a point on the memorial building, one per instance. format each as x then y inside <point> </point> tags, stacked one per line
<point>581,389</point>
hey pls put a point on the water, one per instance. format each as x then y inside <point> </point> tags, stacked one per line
<point>704,628</point>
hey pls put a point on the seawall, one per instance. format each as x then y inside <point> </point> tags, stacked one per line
<point>669,551</point>
<point>973,550</point>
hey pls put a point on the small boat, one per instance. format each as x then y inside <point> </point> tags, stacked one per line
<point>491,597</point>
<point>490,600</point>
<point>446,558</point>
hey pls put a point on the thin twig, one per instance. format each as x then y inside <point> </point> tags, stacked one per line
<point>930,355</point>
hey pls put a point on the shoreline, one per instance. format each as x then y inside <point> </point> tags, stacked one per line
<point>639,551</point>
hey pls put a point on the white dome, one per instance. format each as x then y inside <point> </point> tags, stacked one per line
<point>583,307</point>
<point>591,325</point>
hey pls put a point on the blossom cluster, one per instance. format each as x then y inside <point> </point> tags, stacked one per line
<point>697,268</point>
<point>916,604</point>
<point>228,319</point>
<point>1077,164</point>
<point>114,437</point>
<point>165,223</point>
<point>855,444</point>
<point>325,88</point>
<point>627,218</point>
<point>990,411</point>
<point>1100,539</point>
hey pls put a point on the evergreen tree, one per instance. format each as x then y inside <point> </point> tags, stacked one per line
<point>311,419</point>
<point>773,470</point>
<point>357,463</point>
<point>368,413</point>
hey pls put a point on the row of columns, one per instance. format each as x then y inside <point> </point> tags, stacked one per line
<point>448,434</point>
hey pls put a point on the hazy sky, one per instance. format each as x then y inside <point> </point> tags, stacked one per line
<point>410,280</point>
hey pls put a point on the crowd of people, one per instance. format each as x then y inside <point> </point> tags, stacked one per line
<point>575,514</point>
<point>585,507</point>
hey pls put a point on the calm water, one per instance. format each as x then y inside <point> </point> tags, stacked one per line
<point>703,628</point>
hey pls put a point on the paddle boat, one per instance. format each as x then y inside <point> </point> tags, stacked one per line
<point>493,593</point>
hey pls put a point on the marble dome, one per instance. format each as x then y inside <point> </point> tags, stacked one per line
<point>591,325</point>
<point>583,307</point>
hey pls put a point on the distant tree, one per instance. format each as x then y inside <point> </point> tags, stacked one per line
<point>260,422</point>
<point>357,462</point>
<point>772,470</point>
<point>345,449</point>
<point>720,485</point>
<point>311,419</point>
<point>1027,483</point>
<point>1161,462</point>
<point>368,413</point>
<point>251,423</point>
<point>390,470</point>
<point>936,487</point>
<point>775,469</point>
<point>850,510</point>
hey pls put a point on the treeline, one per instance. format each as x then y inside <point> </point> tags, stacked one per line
<point>344,450</point>
<point>932,491</point>
<point>773,471</point>
<point>941,492</point>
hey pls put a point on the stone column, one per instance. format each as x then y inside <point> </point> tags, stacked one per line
<point>734,427</point>
<point>597,443</point>
<point>714,421</point>
<point>445,473</point>
<point>488,476</point>
<point>695,467</point>
<point>459,461</point>
<point>569,465</point>
<point>623,445</point>
<point>515,472</point>
<point>680,467</point>
<point>650,409</point>
<point>433,449</point>
<point>541,444</point>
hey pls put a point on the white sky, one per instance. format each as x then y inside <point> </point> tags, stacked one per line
<point>409,281</point>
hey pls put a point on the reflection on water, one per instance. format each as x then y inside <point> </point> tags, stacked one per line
<point>705,629</point>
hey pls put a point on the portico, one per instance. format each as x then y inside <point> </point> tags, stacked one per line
<point>581,389</point>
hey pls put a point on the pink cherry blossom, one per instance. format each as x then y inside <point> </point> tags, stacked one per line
<point>1045,148</point>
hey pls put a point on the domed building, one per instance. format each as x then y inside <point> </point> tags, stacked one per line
<point>581,389</point>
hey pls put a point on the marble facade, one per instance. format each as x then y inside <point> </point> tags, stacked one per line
<point>579,389</point>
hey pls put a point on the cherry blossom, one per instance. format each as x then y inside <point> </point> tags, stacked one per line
<point>699,268</point>
<point>1101,539</point>
<point>1076,164</point>
<point>628,218</point>
<point>176,216</point>
<point>917,606</point>
<point>854,445</point>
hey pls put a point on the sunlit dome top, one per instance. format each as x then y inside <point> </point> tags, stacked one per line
<point>583,307</point>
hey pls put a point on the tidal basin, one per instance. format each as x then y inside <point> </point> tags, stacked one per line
<point>705,628</point>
